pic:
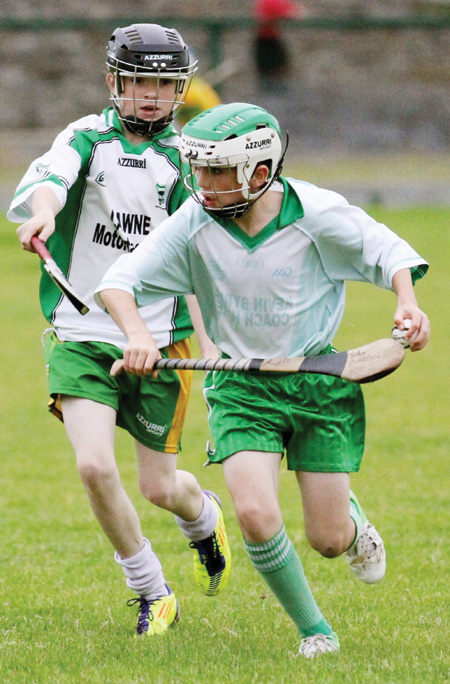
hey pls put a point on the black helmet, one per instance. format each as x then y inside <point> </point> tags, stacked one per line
<point>148,50</point>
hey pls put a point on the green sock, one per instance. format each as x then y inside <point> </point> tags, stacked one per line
<point>357,515</point>
<point>278,563</point>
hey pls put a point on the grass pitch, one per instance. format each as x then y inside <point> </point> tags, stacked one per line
<point>63,617</point>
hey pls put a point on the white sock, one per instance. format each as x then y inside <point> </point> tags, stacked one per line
<point>144,572</point>
<point>358,516</point>
<point>205,524</point>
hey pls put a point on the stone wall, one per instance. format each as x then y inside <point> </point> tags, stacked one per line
<point>353,90</point>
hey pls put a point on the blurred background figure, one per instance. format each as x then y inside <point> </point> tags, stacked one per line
<point>272,59</point>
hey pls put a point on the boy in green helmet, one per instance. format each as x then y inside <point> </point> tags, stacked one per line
<point>268,258</point>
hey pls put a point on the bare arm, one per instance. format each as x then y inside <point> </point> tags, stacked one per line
<point>141,351</point>
<point>407,307</point>
<point>44,207</point>
<point>208,349</point>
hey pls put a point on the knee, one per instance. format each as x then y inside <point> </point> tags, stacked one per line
<point>257,521</point>
<point>95,474</point>
<point>330,543</point>
<point>160,493</point>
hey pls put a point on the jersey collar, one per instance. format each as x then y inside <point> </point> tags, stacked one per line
<point>291,210</point>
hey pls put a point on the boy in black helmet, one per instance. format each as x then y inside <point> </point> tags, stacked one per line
<point>104,185</point>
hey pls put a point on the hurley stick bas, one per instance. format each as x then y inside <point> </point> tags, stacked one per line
<point>363,364</point>
<point>58,276</point>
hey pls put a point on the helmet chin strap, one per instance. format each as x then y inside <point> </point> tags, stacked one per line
<point>231,211</point>
<point>145,128</point>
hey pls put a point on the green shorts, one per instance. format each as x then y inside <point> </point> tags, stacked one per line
<point>152,411</point>
<point>318,420</point>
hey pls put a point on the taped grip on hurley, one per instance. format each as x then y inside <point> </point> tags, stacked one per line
<point>363,364</point>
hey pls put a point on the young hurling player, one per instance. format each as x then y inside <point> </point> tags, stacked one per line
<point>268,258</point>
<point>105,184</point>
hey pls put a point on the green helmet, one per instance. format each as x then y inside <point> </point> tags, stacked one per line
<point>237,135</point>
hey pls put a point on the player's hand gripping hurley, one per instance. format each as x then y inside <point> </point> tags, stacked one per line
<point>57,275</point>
<point>364,364</point>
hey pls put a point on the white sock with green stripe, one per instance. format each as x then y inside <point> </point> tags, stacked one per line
<point>358,516</point>
<point>278,563</point>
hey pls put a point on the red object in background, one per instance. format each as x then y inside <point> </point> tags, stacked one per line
<point>271,55</point>
<point>268,11</point>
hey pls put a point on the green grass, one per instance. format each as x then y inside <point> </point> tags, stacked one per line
<point>325,169</point>
<point>63,616</point>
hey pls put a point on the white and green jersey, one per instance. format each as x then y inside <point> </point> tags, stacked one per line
<point>279,293</point>
<point>112,196</point>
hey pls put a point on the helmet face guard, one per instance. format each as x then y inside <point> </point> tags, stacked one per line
<point>231,202</point>
<point>148,51</point>
<point>230,141</point>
